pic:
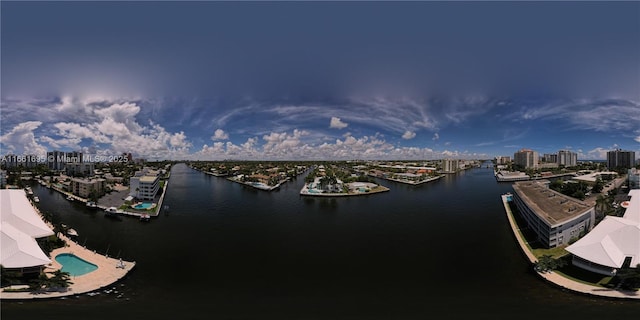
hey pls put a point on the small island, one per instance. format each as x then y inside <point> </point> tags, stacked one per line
<point>333,181</point>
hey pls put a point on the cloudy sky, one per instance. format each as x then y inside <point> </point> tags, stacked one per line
<point>311,80</point>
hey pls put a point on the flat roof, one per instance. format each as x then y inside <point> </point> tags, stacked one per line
<point>551,206</point>
<point>148,179</point>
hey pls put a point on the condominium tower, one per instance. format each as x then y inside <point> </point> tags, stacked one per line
<point>621,158</point>
<point>526,158</point>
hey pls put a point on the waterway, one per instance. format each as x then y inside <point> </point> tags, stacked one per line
<point>224,250</point>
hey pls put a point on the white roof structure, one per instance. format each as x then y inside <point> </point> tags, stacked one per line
<point>20,225</point>
<point>20,250</point>
<point>614,239</point>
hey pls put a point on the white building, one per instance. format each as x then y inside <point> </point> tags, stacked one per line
<point>20,226</point>
<point>612,244</point>
<point>526,158</point>
<point>567,158</point>
<point>555,218</point>
<point>144,187</point>
<point>450,165</point>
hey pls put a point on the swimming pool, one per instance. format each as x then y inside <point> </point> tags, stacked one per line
<point>145,205</point>
<point>75,265</point>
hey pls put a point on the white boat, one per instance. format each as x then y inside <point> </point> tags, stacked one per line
<point>70,198</point>
<point>72,232</point>
<point>111,212</point>
<point>36,199</point>
<point>91,204</point>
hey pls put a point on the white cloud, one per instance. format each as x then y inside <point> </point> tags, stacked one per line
<point>436,136</point>
<point>408,135</point>
<point>593,154</point>
<point>21,139</point>
<point>292,146</point>
<point>219,134</point>
<point>637,139</point>
<point>337,123</point>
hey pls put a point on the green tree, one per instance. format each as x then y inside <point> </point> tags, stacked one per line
<point>547,263</point>
<point>597,187</point>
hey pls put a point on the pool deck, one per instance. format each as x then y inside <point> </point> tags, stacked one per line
<point>560,280</point>
<point>107,273</point>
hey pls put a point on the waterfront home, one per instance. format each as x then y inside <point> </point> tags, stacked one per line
<point>613,244</point>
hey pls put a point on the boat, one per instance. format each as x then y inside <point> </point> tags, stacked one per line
<point>36,199</point>
<point>111,212</point>
<point>91,204</point>
<point>145,217</point>
<point>29,191</point>
<point>70,198</point>
<point>72,232</point>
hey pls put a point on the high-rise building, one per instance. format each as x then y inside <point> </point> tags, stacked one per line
<point>56,160</point>
<point>503,159</point>
<point>620,158</point>
<point>526,158</point>
<point>550,158</point>
<point>567,158</point>
<point>450,165</point>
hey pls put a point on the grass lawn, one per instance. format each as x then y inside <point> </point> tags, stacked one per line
<point>580,275</point>
<point>555,253</point>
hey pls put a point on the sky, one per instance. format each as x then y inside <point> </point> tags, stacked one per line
<point>319,80</point>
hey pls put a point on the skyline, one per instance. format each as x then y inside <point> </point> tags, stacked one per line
<point>276,81</point>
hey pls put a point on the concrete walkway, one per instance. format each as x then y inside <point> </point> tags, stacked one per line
<point>560,280</point>
<point>109,271</point>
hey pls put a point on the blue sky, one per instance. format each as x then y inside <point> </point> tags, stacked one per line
<point>311,80</point>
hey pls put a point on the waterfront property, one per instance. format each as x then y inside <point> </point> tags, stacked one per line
<point>144,187</point>
<point>511,176</point>
<point>555,277</point>
<point>20,226</point>
<point>338,188</point>
<point>84,188</point>
<point>613,244</point>
<point>555,218</point>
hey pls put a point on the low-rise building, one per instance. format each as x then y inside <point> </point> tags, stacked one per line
<point>20,226</point>
<point>85,187</point>
<point>144,187</point>
<point>613,244</point>
<point>555,218</point>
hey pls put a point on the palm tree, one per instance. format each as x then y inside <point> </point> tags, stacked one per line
<point>602,205</point>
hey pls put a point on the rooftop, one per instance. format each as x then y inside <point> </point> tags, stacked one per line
<point>553,207</point>
<point>614,239</point>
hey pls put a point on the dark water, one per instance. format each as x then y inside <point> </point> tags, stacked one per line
<point>226,251</point>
